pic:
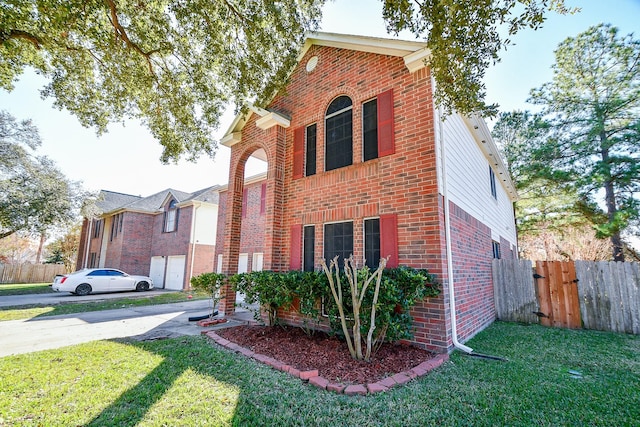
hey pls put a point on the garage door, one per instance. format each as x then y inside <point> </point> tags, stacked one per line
<point>175,273</point>
<point>156,271</point>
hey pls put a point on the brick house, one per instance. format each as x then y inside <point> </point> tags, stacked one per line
<point>169,236</point>
<point>359,161</point>
<point>253,212</point>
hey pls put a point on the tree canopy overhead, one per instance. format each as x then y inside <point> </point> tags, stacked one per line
<point>175,65</point>
<point>465,39</point>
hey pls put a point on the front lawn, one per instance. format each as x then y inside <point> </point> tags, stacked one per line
<point>30,311</point>
<point>24,289</point>
<point>553,377</point>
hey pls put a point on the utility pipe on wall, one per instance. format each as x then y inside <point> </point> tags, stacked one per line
<point>193,240</point>
<point>447,231</point>
<point>87,248</point>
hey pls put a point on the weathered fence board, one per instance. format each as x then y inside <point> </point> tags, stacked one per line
<point>515,297</point>
<point>29,273</point>
<point>609,295</point>
<point>594,295</point>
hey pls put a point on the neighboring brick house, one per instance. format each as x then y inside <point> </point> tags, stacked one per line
<point>354,148</point>
<point>170,236</point>
<point>253,212</point>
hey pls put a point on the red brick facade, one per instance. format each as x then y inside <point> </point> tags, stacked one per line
<point>401,184</point>
<point>253,215</point>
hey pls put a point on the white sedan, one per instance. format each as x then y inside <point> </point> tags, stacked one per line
<point>88,280</point>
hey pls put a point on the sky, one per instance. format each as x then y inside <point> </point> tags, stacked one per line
<point>126,159</point>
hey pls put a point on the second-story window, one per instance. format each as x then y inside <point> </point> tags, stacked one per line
<point>370,130</point>
<point>339,133</point>
<point>171,217</point>
<point>492,183</point>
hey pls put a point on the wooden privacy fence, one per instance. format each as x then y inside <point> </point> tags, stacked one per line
<point>29,273</point>
<point>594,295</point>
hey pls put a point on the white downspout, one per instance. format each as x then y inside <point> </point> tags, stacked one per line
<point>193,240</point>
<point>447,231</point>
<point>87,244</point>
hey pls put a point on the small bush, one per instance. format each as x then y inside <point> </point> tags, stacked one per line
<point>210,283</point>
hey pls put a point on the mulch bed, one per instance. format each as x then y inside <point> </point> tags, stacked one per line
<point>329,355</point>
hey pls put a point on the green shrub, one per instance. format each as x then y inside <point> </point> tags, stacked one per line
<point>210,283</point>
<point>271,290</point>
<point>400,289</point>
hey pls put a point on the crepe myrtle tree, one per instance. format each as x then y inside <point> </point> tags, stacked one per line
<point>176,65</point>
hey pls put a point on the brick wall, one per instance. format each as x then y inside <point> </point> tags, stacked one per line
<point>172,243</point>
<point>404,184</point>
<point>135,255</point>
<point>203,259</point>
<point>472,255</point>
<point>253,222</point>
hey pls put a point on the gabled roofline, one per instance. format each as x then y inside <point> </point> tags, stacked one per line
<point>377,45</point>
<point>414,53</point>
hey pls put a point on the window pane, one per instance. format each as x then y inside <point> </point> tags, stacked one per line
<point>310,163</point>
<point>338,240</point>
<point>339,140</point>
<point>492,180</point>
<point>171,221</point>
<point>309,241</point>
<point>370,129</point>
<point>340,103</point>
<point>372,242</point>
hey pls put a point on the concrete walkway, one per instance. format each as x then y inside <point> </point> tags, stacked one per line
<point>141,323</point>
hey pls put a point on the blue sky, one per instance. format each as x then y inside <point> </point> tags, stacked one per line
<point>126,158</point>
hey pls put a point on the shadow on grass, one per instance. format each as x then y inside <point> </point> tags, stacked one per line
<point>258,387</point>
<point>536,387</point>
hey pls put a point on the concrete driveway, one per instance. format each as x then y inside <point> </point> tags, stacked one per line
<point>142,323</point>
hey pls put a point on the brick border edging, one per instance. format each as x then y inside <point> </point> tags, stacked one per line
<point>314,379</point>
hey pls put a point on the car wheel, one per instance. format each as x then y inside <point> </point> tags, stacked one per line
<point>83,289</point>
<point>142,286</point>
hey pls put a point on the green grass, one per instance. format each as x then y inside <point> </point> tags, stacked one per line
<point>31,311</point>
<point>189,381</point>
<point>25,289</point>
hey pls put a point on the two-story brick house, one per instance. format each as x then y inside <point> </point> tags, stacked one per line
<point>170,235</point>
<point>360,162</point>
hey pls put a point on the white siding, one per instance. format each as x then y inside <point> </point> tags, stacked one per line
<point>206,224</point>
<point>468,180</point>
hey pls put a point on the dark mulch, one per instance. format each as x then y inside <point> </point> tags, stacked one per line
<point>329,355</point>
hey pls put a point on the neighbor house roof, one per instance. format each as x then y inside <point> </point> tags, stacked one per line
<point>110,201</point>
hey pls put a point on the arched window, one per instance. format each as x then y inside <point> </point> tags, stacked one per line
<point>339,133</point>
